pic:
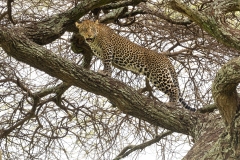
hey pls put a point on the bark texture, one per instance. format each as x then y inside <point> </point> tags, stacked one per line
<point>122,96</point>
<point>219,141</point>
<point>212,20</point>
<point>48,30</point>
<point>224,90</point>
<point>227,79</point>
<point>213,138</point>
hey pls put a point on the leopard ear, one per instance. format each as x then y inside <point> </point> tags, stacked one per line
<point>96,22</point>
<point>77,24</point>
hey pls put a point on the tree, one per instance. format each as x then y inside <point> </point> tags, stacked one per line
<point>54,104</point>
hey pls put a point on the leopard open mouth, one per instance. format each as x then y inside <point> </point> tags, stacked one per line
<point>89,39</point>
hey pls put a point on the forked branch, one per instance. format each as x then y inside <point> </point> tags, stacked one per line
<point>131,148</point>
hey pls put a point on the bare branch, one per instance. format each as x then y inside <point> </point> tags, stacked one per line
<point>48,30</point>
<point>148,10</point>
<point>208,108</point>
<point>40,112</point>
<point>211,20</point>
<point>3,15</point>
<point>9,6</point>
<point>29,115</point>
<point>113,16</point>
<point>131,148</point>
<point>122,4</point>
<point>128,101</point>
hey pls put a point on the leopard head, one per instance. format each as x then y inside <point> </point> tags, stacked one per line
<point>88,29</point>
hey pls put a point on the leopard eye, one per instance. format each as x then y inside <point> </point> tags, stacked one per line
<point>92,29</point>
<point>83,30</point>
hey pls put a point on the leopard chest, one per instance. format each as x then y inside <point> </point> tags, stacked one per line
<point>96,49</point>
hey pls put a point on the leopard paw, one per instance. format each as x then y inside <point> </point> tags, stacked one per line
<point>171,104</point>
<point>104,73</point>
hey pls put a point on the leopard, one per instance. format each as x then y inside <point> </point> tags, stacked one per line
<point>118,51</point>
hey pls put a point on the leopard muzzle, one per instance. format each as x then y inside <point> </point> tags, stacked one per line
<point>90,40</point>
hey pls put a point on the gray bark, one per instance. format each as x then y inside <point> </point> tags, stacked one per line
<point>219,140</point>
<point>212,19</point>
<point>122,96</point>
<point>213,139</point>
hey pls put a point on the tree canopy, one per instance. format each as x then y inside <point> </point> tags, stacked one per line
<point>55,105</point>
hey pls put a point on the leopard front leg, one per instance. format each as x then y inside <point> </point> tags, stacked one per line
<point>107,70</point>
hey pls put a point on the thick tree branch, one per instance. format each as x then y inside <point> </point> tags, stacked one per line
<point>113,16</point>
<point>227,79</point>
<point>125,98</point>
<point>120,10</point>
<point>48,30</point>
<point>212,20</point>
<point>208,108</point>
<point>224,90</point>
<point>149,10</point>
<point>122,4</point>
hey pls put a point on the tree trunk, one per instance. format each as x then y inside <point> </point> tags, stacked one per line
<point>219,140</point>
<point>214,141</point>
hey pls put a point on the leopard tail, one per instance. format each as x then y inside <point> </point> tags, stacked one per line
<point>185,105</point>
